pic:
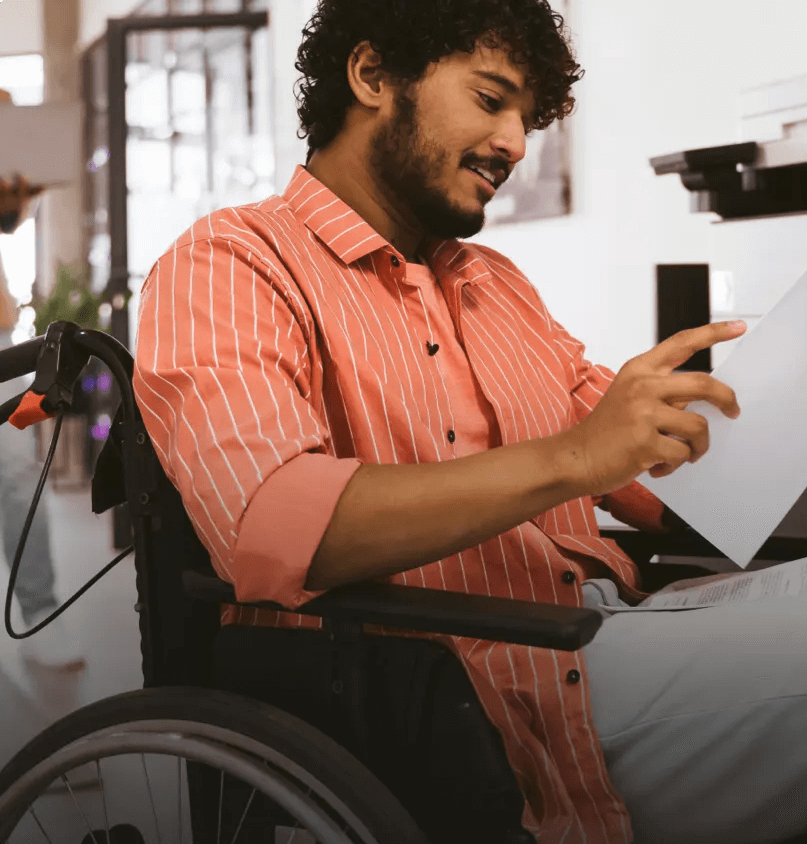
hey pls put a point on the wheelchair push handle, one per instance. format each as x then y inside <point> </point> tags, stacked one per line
<point>58,357</point>
<point>21,359</point>
<point>58,361</point>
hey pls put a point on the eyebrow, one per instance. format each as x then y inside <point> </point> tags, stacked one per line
<point>506,83</point>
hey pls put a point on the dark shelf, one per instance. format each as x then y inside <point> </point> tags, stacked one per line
<point>725,181</point>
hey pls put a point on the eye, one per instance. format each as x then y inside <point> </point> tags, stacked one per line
<point>489,103</point>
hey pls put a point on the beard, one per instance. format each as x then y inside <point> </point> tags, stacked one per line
<point>410,164</point>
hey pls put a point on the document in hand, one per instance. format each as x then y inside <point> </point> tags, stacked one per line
<point>779,581</point>
<point>756,467</point>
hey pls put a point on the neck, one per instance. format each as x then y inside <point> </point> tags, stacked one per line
<point>344,168</point>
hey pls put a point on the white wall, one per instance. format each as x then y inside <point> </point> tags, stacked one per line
<point>20,27</point>
<point>287,19</point>
<point>94,13</point>
<point>661,76</point>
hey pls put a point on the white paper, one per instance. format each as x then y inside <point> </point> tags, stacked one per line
<point>756,467</point>
<point>41,143</point>
<point>784,579</point>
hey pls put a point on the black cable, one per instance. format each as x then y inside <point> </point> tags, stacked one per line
<point>12,580</point>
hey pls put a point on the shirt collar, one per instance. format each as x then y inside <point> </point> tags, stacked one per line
<point>333,221</point>
<point>350,237</point>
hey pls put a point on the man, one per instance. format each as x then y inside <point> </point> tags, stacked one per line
<point>53,647</point>
<point>342,390</point>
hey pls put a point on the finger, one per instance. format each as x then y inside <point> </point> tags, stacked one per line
<point>689,429</point>
<point>685,387</point>
<point>678,349</point>
<point>673,454</point>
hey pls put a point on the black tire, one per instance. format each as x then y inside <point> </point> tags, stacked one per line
<point>304,758</point>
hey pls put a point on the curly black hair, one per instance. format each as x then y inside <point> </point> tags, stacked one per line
<point>411,34</point>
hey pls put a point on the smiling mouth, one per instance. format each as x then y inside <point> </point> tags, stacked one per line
<point>484,174</point>
<point>486,180</point>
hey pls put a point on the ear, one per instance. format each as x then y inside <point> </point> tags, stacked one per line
<point>367,79</point>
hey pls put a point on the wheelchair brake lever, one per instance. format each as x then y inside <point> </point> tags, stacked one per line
<point>58,366</point>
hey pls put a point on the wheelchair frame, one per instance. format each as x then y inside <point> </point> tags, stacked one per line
<point>179,593</point>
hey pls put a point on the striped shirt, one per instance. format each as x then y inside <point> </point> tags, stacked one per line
<point>283,344</point>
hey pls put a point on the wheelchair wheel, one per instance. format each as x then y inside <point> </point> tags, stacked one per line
<point>191,766</point>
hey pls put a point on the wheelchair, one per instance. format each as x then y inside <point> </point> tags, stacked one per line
<point>337,735</point>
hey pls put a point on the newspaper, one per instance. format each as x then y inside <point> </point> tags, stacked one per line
<point>783,579</point>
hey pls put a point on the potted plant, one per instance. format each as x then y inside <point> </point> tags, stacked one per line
<point>71,299</point>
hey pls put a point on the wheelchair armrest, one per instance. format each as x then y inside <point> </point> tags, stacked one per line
<point>431,610</point>
<point>639,545</point>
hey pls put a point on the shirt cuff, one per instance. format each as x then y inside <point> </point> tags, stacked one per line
<point>283,527</point>
<point>635,505</point>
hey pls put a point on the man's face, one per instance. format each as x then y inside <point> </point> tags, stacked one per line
<point>453,138</point>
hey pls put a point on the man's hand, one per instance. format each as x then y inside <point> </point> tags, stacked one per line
<point>15,198</point>
<point>641,424</point>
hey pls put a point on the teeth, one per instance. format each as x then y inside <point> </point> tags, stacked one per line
<point>484,174</point>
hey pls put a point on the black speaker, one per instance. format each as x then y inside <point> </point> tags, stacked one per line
<point>682,301</point>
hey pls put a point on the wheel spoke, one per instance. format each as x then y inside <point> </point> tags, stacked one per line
<point>83,816</point>
<point>243,816</point>
<point>103,797</point>
<point>151,798</point>
<point>221,804</point>
<point>32,813</point>
<point>223,742</point>
<point>179,794</point>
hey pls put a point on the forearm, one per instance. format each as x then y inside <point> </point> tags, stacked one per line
<point>391,518</point>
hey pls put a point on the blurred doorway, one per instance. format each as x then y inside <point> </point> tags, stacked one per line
<point>178,108</point>
<point>178,124</point>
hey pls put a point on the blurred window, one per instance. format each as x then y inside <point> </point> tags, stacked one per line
<point>23,77</point>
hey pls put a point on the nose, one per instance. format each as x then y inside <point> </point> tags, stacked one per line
<point>510,139</point>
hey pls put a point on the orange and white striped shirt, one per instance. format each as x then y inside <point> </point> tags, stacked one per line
<point>283,344</point>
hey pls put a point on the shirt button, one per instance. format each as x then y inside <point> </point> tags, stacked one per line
<point>451,436</point>
<point>573,676</point>
<point>394,261</point>
<point>568,577</point>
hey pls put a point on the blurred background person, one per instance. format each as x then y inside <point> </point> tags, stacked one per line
<point>54,646</point>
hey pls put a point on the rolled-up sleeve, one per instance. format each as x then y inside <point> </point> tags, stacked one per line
<point>636,506</point>
<point>284,524</point>
<point>223,372</point>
